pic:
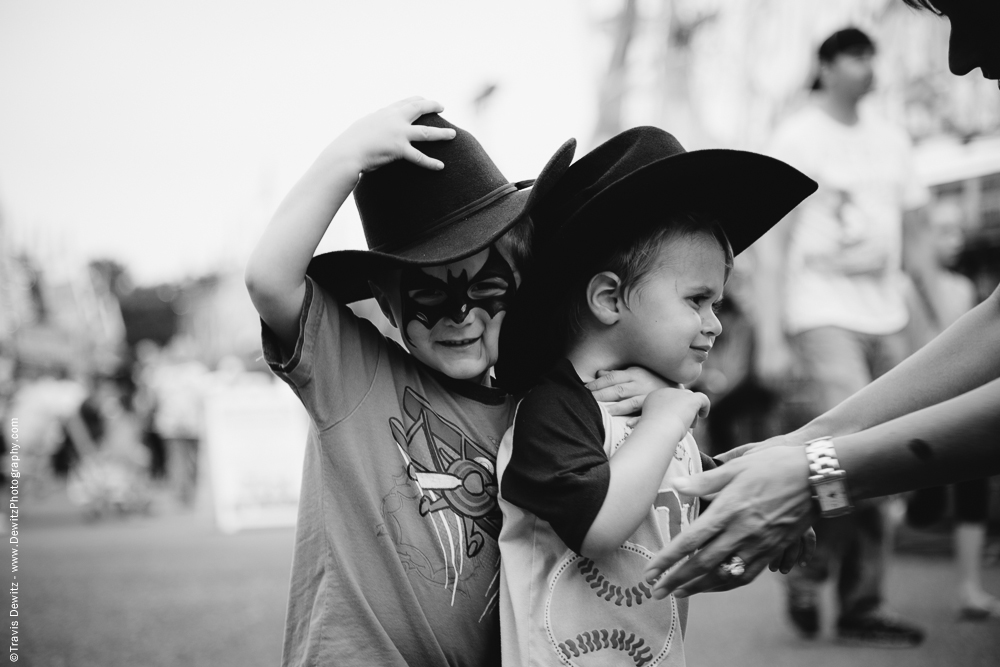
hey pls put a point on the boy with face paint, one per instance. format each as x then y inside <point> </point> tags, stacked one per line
<point>396,557</point>
<point>449,320</point>
<point>633,249</point>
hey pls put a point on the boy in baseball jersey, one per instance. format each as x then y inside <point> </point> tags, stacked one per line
<point>633,248</point>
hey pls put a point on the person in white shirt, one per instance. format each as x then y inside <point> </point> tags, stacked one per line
<point>832,308</point>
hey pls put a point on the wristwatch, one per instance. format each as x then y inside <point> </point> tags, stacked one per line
<point>827,478</point>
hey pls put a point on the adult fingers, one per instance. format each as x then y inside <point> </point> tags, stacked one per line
<point>701,572</point>
<point>717,582</point>
<point>736,452</point>
<point>787,559</point>
<point>699,533</point>
<point>808,546</point>
<point>705,483</point>
<point>774,564</point>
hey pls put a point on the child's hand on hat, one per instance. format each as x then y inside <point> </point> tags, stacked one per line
<point>387,135</point>
<point>624,391</point>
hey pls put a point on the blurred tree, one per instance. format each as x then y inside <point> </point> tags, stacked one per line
<point>613,85</point>
<point>113,274</point>
<point>149,314</point>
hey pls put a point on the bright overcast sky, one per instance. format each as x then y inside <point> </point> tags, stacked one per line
<point>163,134</point>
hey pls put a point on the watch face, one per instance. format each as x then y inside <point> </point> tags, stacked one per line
<point>831,495</point>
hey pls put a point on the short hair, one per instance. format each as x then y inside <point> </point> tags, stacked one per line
<point>633,260</point>
<point>849,40</point>
<point>516,242</point>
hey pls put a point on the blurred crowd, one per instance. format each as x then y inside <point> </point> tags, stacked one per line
<point>118,441</point>
<point>107,384</point>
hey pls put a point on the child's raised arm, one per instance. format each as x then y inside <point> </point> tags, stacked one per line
<point>275,274</point>
<point>638,467</point>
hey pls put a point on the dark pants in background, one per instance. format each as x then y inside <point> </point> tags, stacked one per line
<point>833,364</point>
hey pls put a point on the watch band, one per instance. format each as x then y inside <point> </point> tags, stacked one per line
<point>827,478</point>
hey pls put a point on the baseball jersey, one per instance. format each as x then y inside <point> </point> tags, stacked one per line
<point>558,607</point>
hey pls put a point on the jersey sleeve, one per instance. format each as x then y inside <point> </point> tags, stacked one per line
<point>558,469</point>
<point>336,355</point>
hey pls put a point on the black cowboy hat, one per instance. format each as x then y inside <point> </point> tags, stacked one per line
<point>414,216</point>
<point>606,195</point>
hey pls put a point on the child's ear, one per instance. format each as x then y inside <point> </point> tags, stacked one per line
<point>604,297</point>
<point>383,302</point>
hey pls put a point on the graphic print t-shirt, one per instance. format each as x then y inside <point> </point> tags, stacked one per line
<point>556,606</point>
<point>396,555</point>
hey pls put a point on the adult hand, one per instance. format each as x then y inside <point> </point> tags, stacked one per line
<point>763,504</point>
<point>754,447</point>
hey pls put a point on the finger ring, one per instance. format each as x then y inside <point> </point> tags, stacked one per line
<point>734,567</point>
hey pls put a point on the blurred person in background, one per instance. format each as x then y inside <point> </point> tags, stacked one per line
<point>176,380</point>
<point>946,295</point>
<point>48,399</point>
<point>146,358</point>
<point>934,419</point>
<point>832,309</point>
<point>107,468</point>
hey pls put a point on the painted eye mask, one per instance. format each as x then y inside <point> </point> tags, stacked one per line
<point>428,300</point>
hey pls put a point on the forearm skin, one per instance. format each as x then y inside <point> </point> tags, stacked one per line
<point>952,441</point>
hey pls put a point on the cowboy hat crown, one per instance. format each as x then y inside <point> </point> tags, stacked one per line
<point>634,179</point>
<point>413,216</point>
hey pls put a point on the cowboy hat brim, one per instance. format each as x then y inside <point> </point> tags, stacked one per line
<point>346,273</point>
<point>747,193</point>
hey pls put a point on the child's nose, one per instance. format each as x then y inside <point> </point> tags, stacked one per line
<point>459,314</point>
<point>711,325</point>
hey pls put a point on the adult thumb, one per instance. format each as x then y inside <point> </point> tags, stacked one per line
<point>705,483</point>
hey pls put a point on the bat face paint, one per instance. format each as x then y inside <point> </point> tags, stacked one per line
<point>427,299</point>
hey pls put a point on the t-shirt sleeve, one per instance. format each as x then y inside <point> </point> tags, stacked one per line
<point>558,469</point>
<point>336,355</point>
